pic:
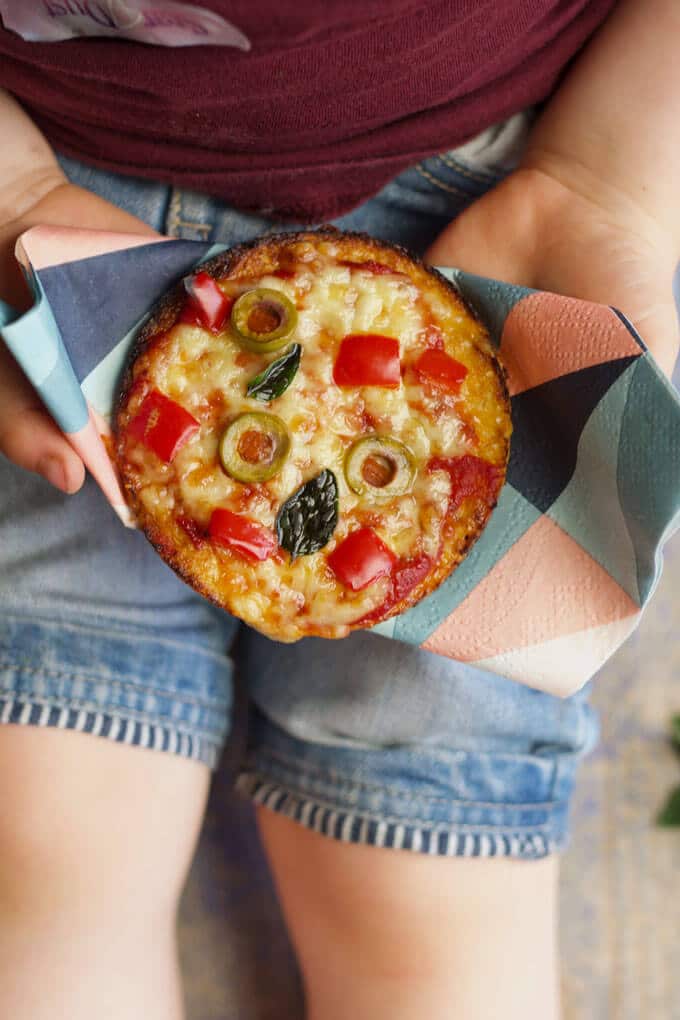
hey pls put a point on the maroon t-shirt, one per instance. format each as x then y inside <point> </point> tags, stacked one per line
<point>331,101</point>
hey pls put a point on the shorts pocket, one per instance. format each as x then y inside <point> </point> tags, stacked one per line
<point>447,174</point>
<point>469,170</point>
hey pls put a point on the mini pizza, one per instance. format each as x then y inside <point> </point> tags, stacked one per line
<point>312,431</point>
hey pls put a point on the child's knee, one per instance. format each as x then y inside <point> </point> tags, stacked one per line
<point>418,934</point>
<point>88,827</point>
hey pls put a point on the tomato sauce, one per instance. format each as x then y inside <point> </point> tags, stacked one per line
<point>405,576</point>
<point>470,477</point>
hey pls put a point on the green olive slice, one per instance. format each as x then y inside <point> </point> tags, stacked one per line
<point>254,446</point>
<point>263,319</point>
<point>380,467</point>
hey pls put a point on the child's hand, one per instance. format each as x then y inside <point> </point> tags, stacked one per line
<point>28,436</point>
<point>592,243</point>
<point>595,210</point>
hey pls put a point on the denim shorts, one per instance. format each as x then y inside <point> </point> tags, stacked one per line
<point>364,740</point>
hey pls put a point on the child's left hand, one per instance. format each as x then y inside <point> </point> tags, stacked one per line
<point>537,230</point>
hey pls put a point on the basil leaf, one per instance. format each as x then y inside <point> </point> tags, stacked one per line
<point>670,815</point>
<point>308,518</point>
<point>276,377</point>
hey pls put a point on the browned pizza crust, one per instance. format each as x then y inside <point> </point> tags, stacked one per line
<point>250,262</point>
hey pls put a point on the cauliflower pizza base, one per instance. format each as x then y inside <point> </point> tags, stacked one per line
<point>456,434</point>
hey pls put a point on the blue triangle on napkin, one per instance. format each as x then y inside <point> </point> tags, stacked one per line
<point>114,291</point>
<point>547,424</point>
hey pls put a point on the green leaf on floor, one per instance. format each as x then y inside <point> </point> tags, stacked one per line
<point>670,814</point>
<point>675,731</point>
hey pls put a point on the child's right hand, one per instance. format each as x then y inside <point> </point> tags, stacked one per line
<point>33,190</point>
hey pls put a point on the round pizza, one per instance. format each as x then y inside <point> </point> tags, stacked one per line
<point>312,431</point>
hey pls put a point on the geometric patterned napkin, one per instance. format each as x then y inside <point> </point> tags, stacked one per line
<point>573,551</point>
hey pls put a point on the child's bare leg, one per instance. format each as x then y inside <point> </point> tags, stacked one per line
<point>389,935</point>
<point>95,842</point>
<point>410,806</point>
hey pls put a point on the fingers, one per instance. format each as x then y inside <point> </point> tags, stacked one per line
<point>28,436</point>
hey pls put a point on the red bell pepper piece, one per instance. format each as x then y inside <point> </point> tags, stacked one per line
<point>360,559</point>
<point>241,535</point>
<point>470,476</point>
<point>441,369</point>
<point>162,425</point>
<point>206,301</point>
<point>368,359</point>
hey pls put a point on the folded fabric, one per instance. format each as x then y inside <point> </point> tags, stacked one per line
<point>573,551</point>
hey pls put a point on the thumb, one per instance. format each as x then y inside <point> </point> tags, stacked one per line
<point>28,436</point>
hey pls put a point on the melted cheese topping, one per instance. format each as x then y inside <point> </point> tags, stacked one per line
<point>208,375</point>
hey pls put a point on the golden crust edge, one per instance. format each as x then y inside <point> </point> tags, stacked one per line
<point>163,316</point>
